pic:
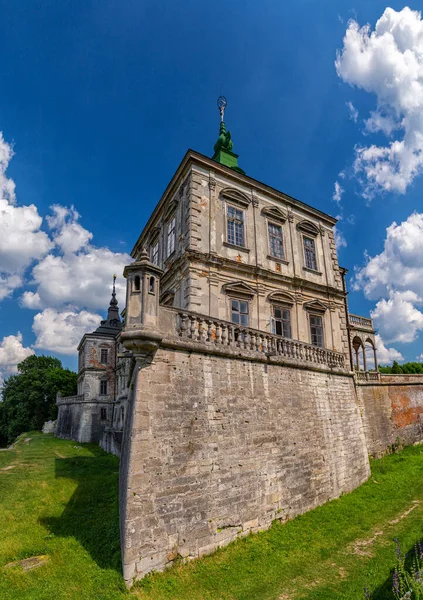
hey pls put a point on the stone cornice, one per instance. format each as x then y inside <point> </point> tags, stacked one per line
<point>253,271</point>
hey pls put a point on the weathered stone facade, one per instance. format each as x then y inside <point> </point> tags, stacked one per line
<point>232,393</point>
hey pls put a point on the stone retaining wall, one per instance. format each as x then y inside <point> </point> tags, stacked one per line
<point>392,409</point>
<point>216,447</point>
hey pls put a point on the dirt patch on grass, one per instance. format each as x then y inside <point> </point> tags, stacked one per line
<point>27,564</point>
<point>59,454</point>
<point>362,547</point>
<point>415,504</point>
<point>8,468</point>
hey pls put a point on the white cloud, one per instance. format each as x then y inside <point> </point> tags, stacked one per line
<point>398,317</point>
<point>386,355</point>
<point>69,235</point>
<point>353,111</point>
<point>12,352</point>
<point>400,266</point>
<point>338,191</point>
<point>340,240</point>
<point>77,274</point>
<point>61,331</point>
<point>388,62</point>
<point>21,240</point>
<point>395,279</point>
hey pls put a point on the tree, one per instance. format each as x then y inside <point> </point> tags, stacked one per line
<point>29,398</point>
<point>396,369</point>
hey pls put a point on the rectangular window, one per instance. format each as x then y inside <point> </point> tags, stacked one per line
<point>154,252</point>
<point>239,312</point>
<point>316,330</point>
<point>235,224</point>
<point>171,234</point>
<point>103,387</point>
<point>103,357</point>
<point>275,241</point>
<point>282,321</point>
<point>310,253</point>
<point>103,414</point>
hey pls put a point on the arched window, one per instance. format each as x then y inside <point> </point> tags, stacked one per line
<point>137,283</point>
<point>151,285</point>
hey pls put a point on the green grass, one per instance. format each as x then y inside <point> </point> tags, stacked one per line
<point>60,500</point>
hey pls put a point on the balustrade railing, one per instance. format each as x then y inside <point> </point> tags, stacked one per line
<point>360,321</point>
<point>198,328</point>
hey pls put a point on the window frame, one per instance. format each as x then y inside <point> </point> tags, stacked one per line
<point>102,350</point>
<point>103,411</point>
<point>269,245</point>
<point>244,228</point>
<point>171,231</point>
<point>233,299</point>
<point>281,320</point>
<point>155,244</point>
<point>309,237</point>
<point>321,317</point>
<point>103,382</point>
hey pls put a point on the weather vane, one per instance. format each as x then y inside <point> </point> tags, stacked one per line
<point>221,104</point>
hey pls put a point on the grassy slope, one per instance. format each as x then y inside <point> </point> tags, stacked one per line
<point>60,499</point>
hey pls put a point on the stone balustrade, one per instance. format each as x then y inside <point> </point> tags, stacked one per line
<point>357,321</point>
<point>367,376</point>
<point>202,330</point>
<point>69,399</point>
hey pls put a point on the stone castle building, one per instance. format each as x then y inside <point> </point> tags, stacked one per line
<point>232,390</point>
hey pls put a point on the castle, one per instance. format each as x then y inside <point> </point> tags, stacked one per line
<point>236,389</point>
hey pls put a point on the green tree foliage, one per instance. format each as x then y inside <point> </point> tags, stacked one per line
<point>411,368</point>
<point>29,398</point>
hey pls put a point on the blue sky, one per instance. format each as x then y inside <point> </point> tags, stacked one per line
<point>100,101</point>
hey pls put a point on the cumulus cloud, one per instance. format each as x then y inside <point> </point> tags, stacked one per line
<point>61,331</point>
<point>12,352</point>
<point>21,238</point>
<point>395,279</point>
<point>386,355</point>
<point>68,235</point>
<point>388,62</point>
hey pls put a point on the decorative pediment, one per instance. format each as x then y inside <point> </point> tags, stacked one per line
<point>166,299</point>
<point>309,228</point>
<point>170,208</point>
<point>280,298</point>
<point>239,288</point>
<point>315,306</point>
<point>274,213</point>
<point>235,196</point>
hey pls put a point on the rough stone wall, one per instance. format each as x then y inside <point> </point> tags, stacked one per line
<point>392,409</point>
<point>217,447</point>
<point>80,421</point>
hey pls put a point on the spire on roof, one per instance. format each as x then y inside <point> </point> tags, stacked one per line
<point>112,325</point>
<point>223,147</point>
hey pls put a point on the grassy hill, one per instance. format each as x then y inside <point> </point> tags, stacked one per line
<point>58,503</point>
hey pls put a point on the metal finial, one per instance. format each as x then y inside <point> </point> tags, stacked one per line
<point>221,104</point>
